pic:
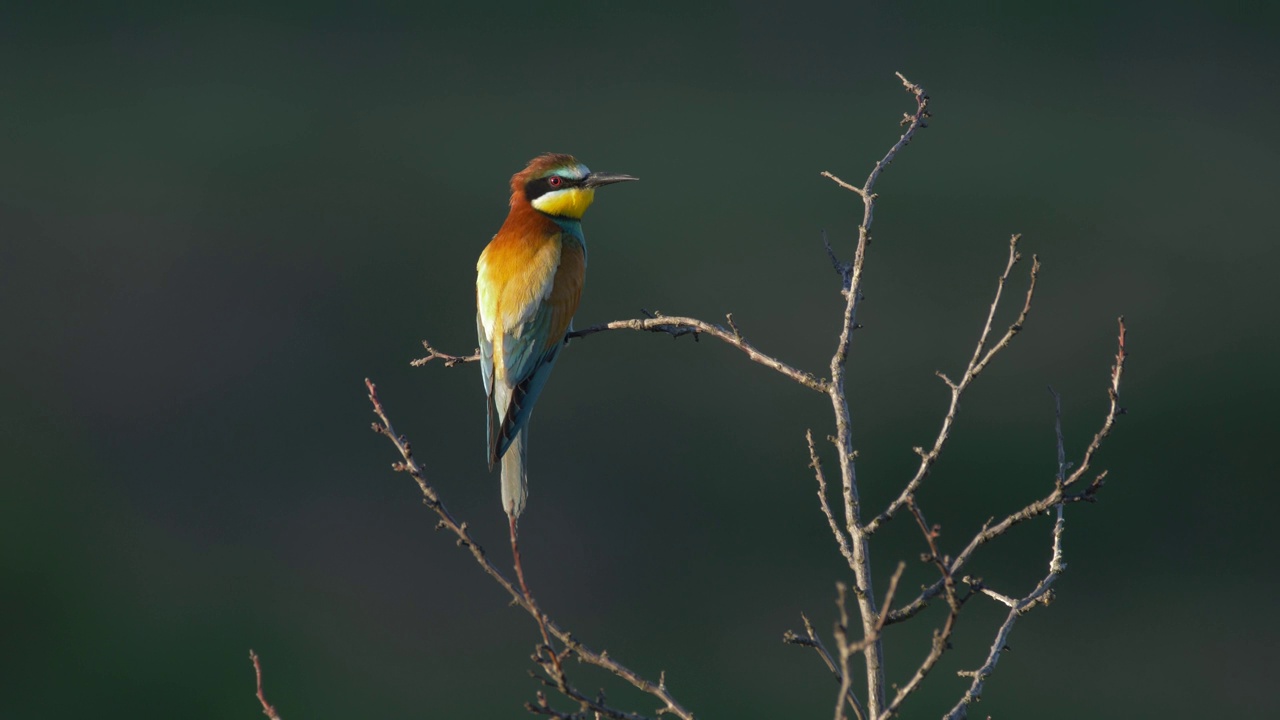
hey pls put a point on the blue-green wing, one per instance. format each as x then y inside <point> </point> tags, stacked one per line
<point>529,358</point>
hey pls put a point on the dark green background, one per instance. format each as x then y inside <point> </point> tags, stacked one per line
<point>214,225</point>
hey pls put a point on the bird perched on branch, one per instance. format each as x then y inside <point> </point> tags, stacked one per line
<point>529,280</point>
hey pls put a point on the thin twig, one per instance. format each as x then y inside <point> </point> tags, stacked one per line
<point>1113,393</point>
<point>846,649</point>
<point>982,356</point>
<point>464,539</point>
<point>449,360</point>
<point>553,657</point>
<point>812,640</point>
<point>1057,429</point>
<point>941,641</point>
<point>986,534</point>
<point>888,595</point>
<point>673,326</point>
<point>267,708</point>
<point>843,269</point>
<point>998,597</point>
<point>589,708</point>
<point>842,540</point>
<point>677,326</point>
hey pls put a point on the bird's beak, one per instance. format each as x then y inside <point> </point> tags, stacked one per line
<point>596,179</point>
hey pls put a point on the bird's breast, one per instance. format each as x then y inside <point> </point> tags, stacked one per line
<point>515,274</point>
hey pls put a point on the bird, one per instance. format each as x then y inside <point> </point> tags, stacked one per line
<point>529,281</point>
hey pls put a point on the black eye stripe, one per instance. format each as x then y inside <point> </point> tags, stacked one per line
<point>541,186</point>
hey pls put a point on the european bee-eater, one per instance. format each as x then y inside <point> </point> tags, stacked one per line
<point>529,280</point>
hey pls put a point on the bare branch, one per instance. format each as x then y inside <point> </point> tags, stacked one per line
<point>872,650</point>
<point>267,708</point>
<point>1059,494</point>
<point>986,534</point>
<point>812,640</point>
<point>1002,599</point>
<point>545,654</point>
<point>449,360</point>
<point>448,522</point>
<point>659,323</point>
<point>1057,429</point>
<point>677,326</point>
<point>851,188</point>
<point>590,708</point>
<point>846,649</point>
<point>843,269</point>
<point>733,326</point>
<point>981,358</point>
<point>1113,393</point>
<point>842,540</point>
<point>1042,594</point>
<point>888,595</point>
<point>941,637</point>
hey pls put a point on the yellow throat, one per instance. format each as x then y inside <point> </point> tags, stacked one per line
<point>570,202</point>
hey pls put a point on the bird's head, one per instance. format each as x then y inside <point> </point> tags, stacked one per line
<point>559,185</point>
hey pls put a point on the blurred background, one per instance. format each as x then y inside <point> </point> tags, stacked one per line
<point>215,224</point>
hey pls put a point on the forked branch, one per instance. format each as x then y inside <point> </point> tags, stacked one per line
<point>859,556</point>
<point>448,521</point>
<point>982,356</point>
<point>811,639</point>
<point>1042,594</point>
<point>1057,496</point>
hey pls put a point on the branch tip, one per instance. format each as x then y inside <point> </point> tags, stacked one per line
<point>267,708</point>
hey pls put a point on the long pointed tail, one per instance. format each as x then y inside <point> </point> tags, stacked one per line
<point>515,485</point>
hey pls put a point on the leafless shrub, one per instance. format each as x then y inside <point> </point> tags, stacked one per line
<point>852,534</point>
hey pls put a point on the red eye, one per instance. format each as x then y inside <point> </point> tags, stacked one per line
<point>555,181</point>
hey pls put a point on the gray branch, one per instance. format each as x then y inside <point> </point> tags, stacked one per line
<point>1058,495</point>
<point>571,644</point>
<point>1042,594</point>
<point>659,323</point>
<point>982,356</point>
<point>873,651</point>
